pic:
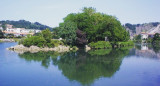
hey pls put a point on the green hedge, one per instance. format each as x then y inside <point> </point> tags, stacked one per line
<point>55,43</point>
<point>39,41</point>
<point>125,44</point>
<point>34,40</point>
<point>100,45</point>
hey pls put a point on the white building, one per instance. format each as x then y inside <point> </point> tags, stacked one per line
<point>20,31</point>
<point>144,35</point>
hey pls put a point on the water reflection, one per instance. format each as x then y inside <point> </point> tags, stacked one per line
<point>147,51</point>
<point>84,67</point>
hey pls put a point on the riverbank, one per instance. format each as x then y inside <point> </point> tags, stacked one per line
<point>33,49</point>
<point>7,40</point>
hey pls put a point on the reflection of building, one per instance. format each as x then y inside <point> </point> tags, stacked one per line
<point>19,31</point>
<point>144,47</point>
<point>147,52</point>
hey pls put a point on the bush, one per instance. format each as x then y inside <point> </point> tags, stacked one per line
<point>123,44</point>
<point>34,40</point>
<point>55,43</point>
<point>74,48</point>
<point>43,39</point>
<point>100,45</point>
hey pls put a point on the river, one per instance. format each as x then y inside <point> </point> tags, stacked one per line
<point>138,66</point>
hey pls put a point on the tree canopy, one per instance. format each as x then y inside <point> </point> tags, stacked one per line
<point>95,25</point>
<point>1,34</point>
<point>24,24</point>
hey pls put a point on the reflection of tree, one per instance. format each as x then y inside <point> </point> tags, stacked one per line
<point>156,48</point>
<point>43,57</point>
<point>81,66</point>
<point>85,68</point>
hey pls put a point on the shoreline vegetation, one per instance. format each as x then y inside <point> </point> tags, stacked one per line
<point>88,29</point>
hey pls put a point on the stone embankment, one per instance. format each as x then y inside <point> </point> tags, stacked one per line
<point>7,40</point>
<point>33,49</point>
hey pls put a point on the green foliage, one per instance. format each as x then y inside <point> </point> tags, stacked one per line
<point>25,24</point>
<point>55,43</point>
<point>156,36</point>
<point>137,38</point>
<point>1,34</point>
<point>156,40</point>
<point>43,57</point>
<point>125,44</point>
<point>74,48</point>
<point>34,40</point>
<point>96,25</point>
<point>43,39</point>
<point>10,35</point>
<point>68,32</point>
<point>149,40</point>
<point>99,52</point>
<point>47,35</point>
<point>131,27</point>
<point>81,66</point>
<point>100,45</point>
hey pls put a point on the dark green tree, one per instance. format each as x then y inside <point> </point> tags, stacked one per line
<point>68,32</point>
<point>47,35</point>
<point>156,36</point>
<point>1,34</point>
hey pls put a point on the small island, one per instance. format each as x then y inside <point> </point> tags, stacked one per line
<point>88,29</point>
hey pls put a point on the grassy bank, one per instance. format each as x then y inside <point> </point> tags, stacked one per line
<point>108,45</point>
<point>100,45</point>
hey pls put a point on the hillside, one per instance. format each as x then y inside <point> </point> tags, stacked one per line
<point>135,29</point>
<point>25,24</point>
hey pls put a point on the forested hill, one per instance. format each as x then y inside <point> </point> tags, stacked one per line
<point>152,27</point>
<point>25,24</point>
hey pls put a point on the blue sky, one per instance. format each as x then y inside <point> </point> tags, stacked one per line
<point>52,12</point>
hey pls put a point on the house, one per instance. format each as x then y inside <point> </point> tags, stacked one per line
<point>144,35</point>
<point>19,31</point>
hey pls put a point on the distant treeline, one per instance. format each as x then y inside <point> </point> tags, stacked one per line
<point>25,24</point>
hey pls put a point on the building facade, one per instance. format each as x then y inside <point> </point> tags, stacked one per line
<point>19,31</point>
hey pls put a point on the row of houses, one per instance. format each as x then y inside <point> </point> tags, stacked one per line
<point>145,35</point>
<point>18,31</point>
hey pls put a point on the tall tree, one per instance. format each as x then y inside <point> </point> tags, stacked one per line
<point>47,35</point>
<point>96,25</point>
<point>1,34</point>
<point>67,31</point>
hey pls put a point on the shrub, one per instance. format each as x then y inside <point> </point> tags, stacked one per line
<point>34,40</point>
<point>100,45</point>
<point>123,44</point>
<point>74,48</point>
<point>57,42</point>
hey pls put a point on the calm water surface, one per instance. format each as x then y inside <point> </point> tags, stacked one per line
<point>139,66</point>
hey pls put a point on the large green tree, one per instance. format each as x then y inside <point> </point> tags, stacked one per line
<point>67,31</point>
<point>47,35</point>
<point>97,25</point>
